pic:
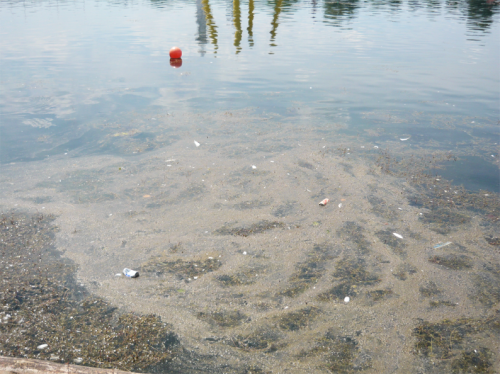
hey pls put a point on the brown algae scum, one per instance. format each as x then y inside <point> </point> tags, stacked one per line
<point>241,270</point>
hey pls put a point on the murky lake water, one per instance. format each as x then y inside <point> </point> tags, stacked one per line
<point>206,178</point>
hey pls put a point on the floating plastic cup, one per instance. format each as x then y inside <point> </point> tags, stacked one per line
<point>130,273</point>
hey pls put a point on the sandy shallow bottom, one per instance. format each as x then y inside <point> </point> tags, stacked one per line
<point>235,252</point>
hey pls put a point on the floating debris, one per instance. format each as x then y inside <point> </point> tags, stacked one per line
<point>196,143</point>
<point>42,346</point>
<point>254,167</point>
<point>340,205</point>
<point>441,245</point>
<point>346,299</point>
<point>324,202</point>
<point>397,235</point>
<point>130,273</point>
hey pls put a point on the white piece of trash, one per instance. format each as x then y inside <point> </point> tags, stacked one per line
<point>196,143</point>
<point>346,299</point>
<point>130,273</point>
<point>324,202</point>
<point>397,235</point>
<point>42,346</point>
<point>254,167</point>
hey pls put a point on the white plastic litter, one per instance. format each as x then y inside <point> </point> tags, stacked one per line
<point>346,299</point>
<point>441,245</point>
<point>196,143</point>
<point>42,346</point>
<point>397,235</point>
<point>130,273</point>
<point>254,167</point>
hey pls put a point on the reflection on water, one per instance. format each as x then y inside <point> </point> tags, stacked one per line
<point>207,178</point>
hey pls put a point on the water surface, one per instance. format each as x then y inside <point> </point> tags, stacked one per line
<point>207,177</point>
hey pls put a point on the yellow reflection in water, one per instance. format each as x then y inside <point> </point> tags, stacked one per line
<point>212,27</point>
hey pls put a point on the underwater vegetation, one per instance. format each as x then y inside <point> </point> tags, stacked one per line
<point>181,268</point>
<point>452,261</point>
<point>339,354</point>
<point>458,344</point>
<point>42,304</point>
<point>351,273</point>
<point>223,318</point>
<point>353,232</point>
<point>429,289</point>
<point>256,228</point>
<point>263,338</point>
<point>242,277</point>
<point>403,270</point>
<point>309,271</point>
<point>295,320</point>
<point>397,245</point>
<point>444,220</point>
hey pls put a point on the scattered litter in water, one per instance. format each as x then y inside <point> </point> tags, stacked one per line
<point>196,143</point>
<point>440,245</point>
<point>340,205</point>
<point>324,202</point>
<point>397,235</point>
<point>346,299</point>
<point>42,346</point>
<point>403,139</point>
<point>130,273</point>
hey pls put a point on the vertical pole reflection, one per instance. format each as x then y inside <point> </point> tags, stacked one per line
<point>212,28</point>
<point>202,27</point>
<point>251,9</point>
<point>274,22</point>
<point>237,25</point>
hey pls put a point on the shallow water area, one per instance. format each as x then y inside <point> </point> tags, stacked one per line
<point>207,180</point>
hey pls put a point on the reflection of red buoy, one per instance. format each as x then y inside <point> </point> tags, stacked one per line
<point>176,62</point>
<point>175,52</point>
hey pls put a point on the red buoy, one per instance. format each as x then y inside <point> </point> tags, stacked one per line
<point>175,52</point>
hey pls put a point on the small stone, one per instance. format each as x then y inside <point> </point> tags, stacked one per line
<point>78,360</point>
